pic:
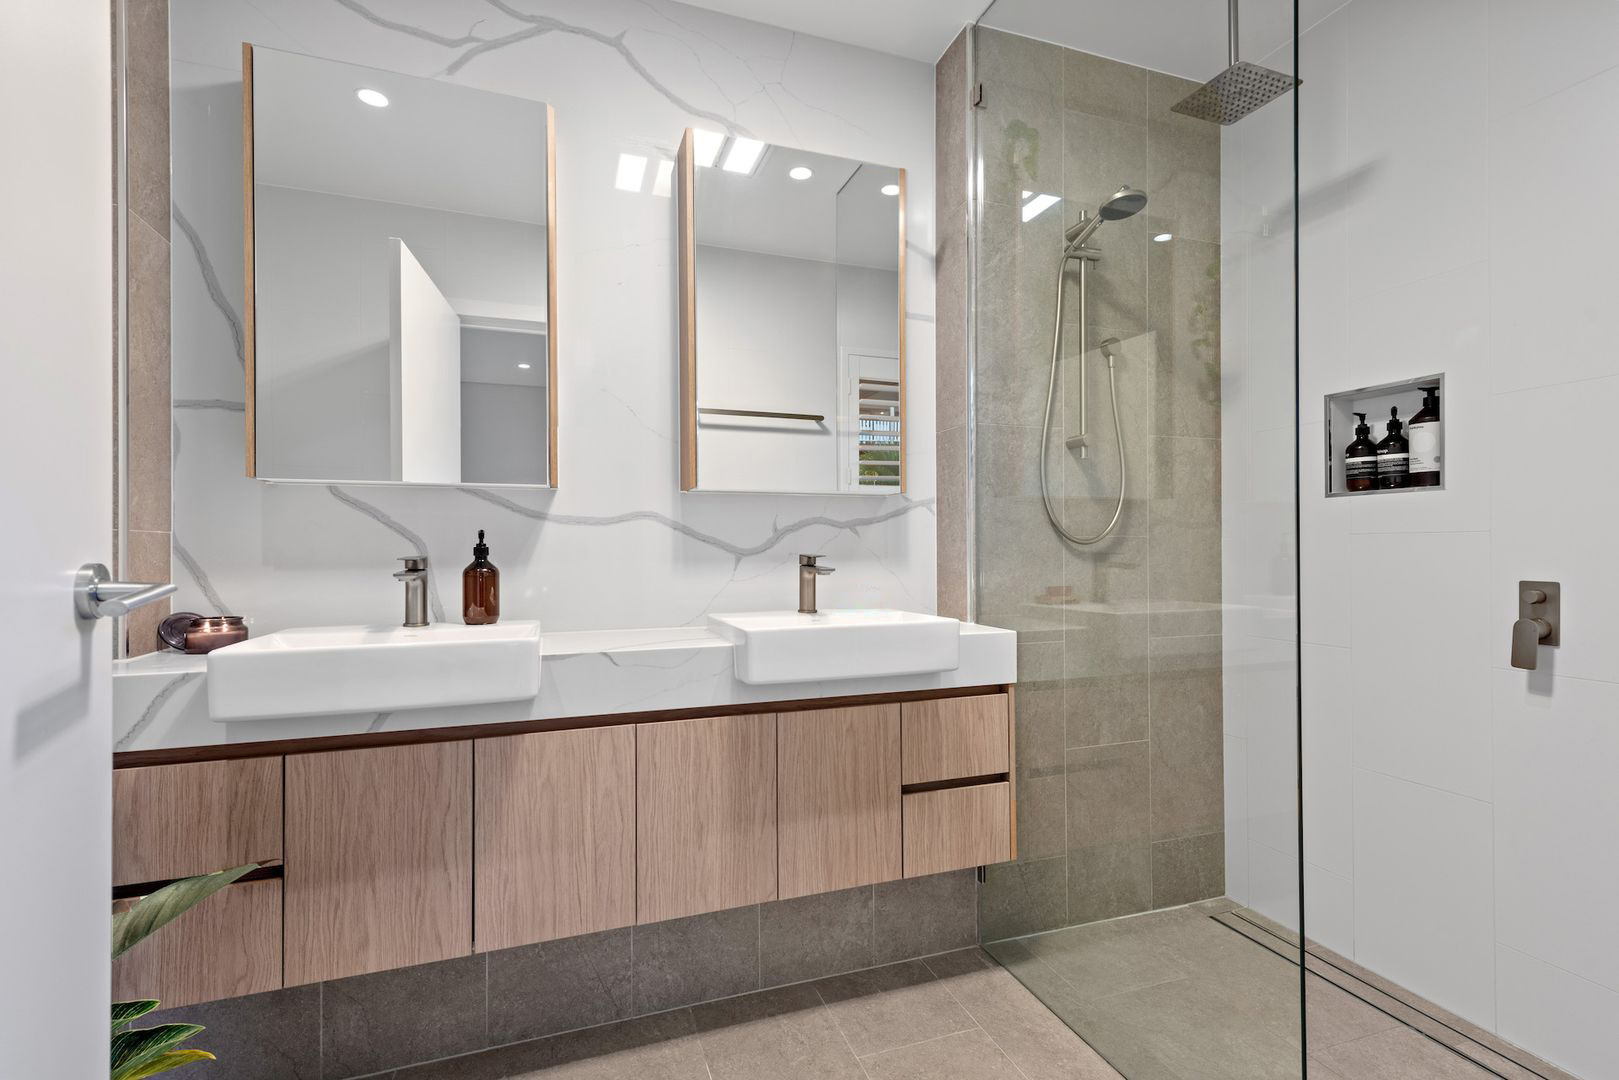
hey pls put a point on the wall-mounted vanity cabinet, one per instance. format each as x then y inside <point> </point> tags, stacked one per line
<point>400,240</point>
<point>424,850</point>
<point>792,319</point>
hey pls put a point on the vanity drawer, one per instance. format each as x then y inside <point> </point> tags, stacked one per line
<point>172,821</point>
<point>954,828</point>
<point>227,946</point>
<point>955,738</point>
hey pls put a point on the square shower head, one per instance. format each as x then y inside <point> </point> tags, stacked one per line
<point>1235,92</point>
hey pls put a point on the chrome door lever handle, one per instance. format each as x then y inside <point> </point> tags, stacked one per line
<point>97,596</point>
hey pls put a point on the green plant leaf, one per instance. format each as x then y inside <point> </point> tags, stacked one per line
<point>171,1060</point>
<point>134,1049</point>
<point>162,907</point>
<point>125,1011</point>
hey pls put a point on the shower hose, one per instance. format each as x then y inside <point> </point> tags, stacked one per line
<point>1051,400</point>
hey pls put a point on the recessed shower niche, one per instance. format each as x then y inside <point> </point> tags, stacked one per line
<point>1386,438</point>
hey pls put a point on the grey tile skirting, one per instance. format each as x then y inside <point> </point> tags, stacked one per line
<point>375,1023</point>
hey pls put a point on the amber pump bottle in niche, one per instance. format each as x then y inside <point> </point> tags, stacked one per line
<point>1394,455</point>
<point>480,587</point>
<point>1360,458</point>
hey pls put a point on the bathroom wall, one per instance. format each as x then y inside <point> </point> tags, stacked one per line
<point>142,513</point>
<point>1460,815</point>
<point>1119,656</point>
<point>616,545</point>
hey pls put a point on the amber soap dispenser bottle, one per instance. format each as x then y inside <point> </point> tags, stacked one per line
<point>480,587</point>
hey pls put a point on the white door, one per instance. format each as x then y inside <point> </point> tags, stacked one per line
<point>55,513</point>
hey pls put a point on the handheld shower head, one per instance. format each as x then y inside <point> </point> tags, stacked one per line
<point>1126,202</point>
<point>1123,203</point>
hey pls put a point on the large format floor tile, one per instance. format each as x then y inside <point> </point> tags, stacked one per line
<point>1195,993</point>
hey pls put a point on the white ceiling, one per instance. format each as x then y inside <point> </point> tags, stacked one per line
<point>1182,37</point>
<point>436,144</point>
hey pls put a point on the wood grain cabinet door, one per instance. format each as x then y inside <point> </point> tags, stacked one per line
<point>954,828</point>
<point>838,778</point>
<point>172,821</point>
<point>705,815</point>
<point>227,946</point>
<point>379,859</point>
<point>953,738</point>
<point>554,835</point>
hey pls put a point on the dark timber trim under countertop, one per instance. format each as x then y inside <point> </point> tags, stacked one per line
<point>129,759</point>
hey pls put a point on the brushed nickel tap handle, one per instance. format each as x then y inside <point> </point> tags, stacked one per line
<point>1540,615</point>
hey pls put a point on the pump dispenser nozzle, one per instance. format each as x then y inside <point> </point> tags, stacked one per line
<point>1362,429</point>
<point>1394,420</point>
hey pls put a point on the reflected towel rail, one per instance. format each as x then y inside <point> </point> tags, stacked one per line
<point>814,417</point>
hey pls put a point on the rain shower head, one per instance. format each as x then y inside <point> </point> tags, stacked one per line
<point>1235,92</point>
<point>1123,203</point>
<point>1239,89</point>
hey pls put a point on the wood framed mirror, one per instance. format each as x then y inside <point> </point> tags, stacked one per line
<point>792,319</point>
<point>400,260</point>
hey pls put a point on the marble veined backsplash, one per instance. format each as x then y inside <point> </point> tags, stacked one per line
<point>615,545</point>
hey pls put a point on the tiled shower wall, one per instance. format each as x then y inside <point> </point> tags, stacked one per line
<point>1119,655</point>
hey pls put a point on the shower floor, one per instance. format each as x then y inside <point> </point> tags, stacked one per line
<point>1211,992</point>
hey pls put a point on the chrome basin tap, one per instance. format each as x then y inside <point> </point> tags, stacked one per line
<point>808,570</point>
<point>414,575</point>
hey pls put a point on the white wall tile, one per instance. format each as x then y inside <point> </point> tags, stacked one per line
<point>1325,596</point>
<point>1551,304</point>
<point>1421,657</point>
<point>1273,747</point>
<point>1236,819</point>
<point>1274,884</point>
<point>1557,822</point>
<point>1555,519</point>
<point>1329,909</point>
<point>1424,912</point>
<point>1538,47</point>
<point>1417,100</point>
<point>1329,687</point>
<point>1565,1019</point>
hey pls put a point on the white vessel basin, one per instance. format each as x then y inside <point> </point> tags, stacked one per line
<point>347,669</point>
<point>785,647</point>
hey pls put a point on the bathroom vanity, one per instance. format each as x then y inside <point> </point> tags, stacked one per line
<point>645,782</point>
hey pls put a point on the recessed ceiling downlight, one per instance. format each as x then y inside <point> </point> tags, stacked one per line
<point>374,98</point>
<point>524,367</point>
<point>800,172</point>
<point>890,189</point>
<point>1164,238</point>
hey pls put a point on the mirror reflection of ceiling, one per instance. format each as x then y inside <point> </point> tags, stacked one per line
<point>1182,37</point>
<point>838,214</point>
<point>435,144</point>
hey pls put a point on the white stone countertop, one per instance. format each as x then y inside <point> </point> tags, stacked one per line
<point>160,701</point>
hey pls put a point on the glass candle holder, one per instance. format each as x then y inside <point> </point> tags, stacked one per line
<point>188,632</point>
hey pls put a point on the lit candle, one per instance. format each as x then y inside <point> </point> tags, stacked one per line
<point>187,632</point>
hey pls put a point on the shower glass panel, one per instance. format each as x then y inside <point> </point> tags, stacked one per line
<point>1133,497</point>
